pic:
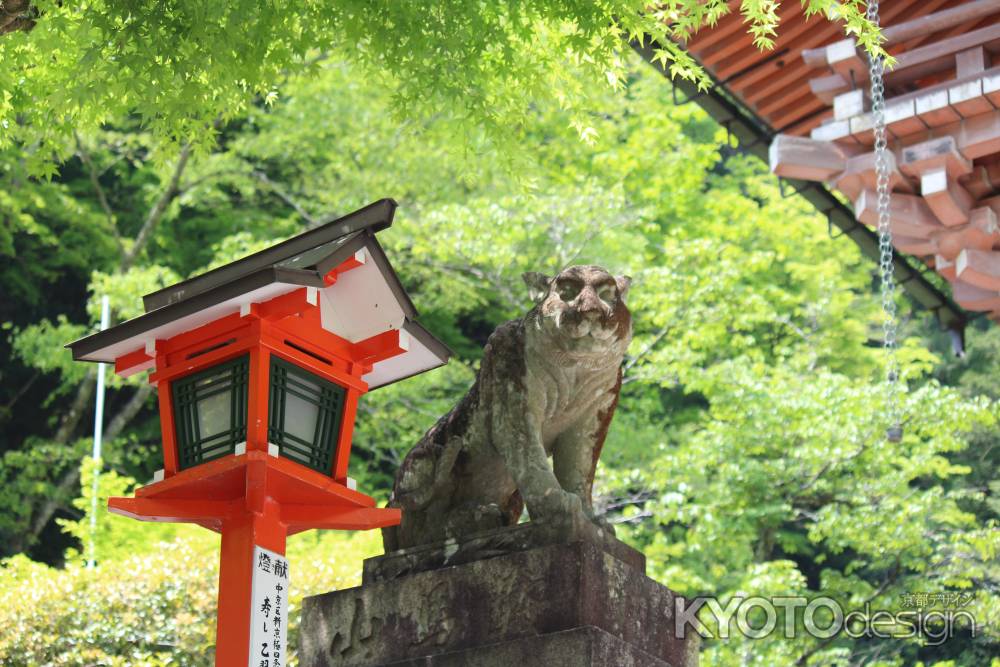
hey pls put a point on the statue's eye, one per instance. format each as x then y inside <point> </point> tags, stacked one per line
<point>607,293</point>
<point>568,291</point>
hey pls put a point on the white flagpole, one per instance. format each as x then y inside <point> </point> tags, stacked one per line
<point>98,433</point>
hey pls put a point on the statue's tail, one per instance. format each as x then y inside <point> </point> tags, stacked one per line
<point>428,466</point>
<point>425,471</point>
<point>415,488</point>
<point>416,479</point>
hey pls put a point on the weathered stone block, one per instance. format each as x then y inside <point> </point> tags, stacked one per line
<point>569,648</point>
<point>558,604</point>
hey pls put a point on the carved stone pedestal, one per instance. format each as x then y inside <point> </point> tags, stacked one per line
<point>526,596</point>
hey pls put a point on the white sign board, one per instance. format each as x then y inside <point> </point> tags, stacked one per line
<point>269,610</point>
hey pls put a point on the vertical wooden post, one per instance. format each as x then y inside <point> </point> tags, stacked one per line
<point>342,454</point>
<point>167,428</point>
<point>232,634</point>
<point>240,533</point>
<point>259,389</point>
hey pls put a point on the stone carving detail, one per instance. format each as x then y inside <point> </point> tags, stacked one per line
<point>557,605</point>
<point>547,387</point>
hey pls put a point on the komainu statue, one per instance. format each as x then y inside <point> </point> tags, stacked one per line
<point>547,387</point>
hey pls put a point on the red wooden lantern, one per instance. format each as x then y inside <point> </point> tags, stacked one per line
<point>259,366</point>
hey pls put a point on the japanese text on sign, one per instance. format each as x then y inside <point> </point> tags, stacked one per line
<point>269,614</point>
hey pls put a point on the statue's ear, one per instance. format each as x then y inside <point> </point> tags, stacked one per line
<point>538,285</point>
<point>623,282</point>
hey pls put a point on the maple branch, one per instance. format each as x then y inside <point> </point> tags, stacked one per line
<point>157,211</point>
<point>22,391</point>
<point>190,185</point>
<point>69,421</point>
<point>285,197</point>
<point>128,412</point>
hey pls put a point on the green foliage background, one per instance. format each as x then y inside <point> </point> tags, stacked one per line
<point>184,66</point>
<point>747,457</point>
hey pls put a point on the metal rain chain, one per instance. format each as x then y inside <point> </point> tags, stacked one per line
<point>888,284</point>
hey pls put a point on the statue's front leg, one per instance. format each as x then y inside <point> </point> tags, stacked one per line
<point>516,431</point>
<point>574,459</point>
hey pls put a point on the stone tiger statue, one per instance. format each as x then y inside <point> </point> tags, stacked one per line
<point>547,387</point>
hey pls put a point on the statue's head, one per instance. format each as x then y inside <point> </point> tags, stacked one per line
<point>582,309</point>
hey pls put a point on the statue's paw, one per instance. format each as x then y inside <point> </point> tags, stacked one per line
<point>560,506</point>
<point>472,517</point>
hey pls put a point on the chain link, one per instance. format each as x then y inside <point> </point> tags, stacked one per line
<point>888,282</point>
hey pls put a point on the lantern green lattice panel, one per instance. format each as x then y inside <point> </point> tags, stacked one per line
<point>210,410</point>
<point>304,415</point>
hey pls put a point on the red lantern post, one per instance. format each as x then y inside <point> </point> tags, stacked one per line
<point>259,366</point>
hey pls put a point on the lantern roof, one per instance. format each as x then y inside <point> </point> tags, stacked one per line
<point>363,302</point>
